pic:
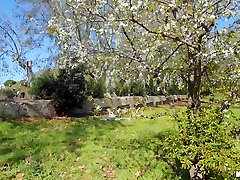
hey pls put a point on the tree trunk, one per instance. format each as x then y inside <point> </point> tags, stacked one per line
<point>194,81</point>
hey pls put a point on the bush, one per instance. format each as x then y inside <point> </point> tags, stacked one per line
<point>120,89</point>
<point>7,93</point>
<point>24,83</point>
<point>96,89</point>
<point>206,139</point>
<point>70,89</point>
<point>152,89</point>
<point>9,83</point>
<point>44,86</point>
<point>175,90</point>
<point>137,88</point>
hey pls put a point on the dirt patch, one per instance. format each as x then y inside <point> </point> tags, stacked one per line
<point>39,119</point>
<point>178,103</point>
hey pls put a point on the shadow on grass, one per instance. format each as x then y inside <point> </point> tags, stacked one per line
<point>174,163</point>
<point>151,144</point>
<point>39,140</point>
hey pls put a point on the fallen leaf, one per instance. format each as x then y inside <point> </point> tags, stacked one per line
<point>138,174</point>
<point>27,159</point>
<point>108,172</point>
<point>19,176</point>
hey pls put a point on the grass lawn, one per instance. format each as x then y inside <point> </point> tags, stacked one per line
<point>85,148</point>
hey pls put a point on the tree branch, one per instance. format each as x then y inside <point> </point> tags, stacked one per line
<point>169,56</point>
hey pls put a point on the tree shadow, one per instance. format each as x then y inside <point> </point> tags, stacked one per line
<point>150,144</point>
<point>39,140</point>
<point>175,164</point>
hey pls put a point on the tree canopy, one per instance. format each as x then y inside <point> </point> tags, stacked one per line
<point>148,38</point>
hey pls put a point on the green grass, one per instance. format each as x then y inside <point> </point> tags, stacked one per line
<point>85,148</point>
<point>236,112</point>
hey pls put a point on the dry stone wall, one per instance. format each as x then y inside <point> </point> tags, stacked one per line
<point>126,101</point>
<point>26,108</point>
<point>45,108</point>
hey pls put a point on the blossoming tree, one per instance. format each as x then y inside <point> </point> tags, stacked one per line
<point>153,36</point>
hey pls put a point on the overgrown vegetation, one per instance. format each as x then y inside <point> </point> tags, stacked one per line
<point>207,140</point>
<point>7,93</point>
<point>70,89</point>
<point>44,86</point>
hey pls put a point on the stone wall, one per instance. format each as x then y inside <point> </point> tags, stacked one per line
<point>26,108</point>
<point>126,101</point>
<point>45,108</point>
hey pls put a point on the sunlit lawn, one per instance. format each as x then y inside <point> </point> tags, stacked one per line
<point>85,148</point>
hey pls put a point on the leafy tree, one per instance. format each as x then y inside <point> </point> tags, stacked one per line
<point>70,89</point>
<point>9,83</point>
<point>44,86</point>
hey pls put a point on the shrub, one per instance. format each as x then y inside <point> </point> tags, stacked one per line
<point>120,89</point>
<point>44,86</point>
<point>96,89</point>
<point>67,88</point>
<point>152,89</point>
<point>175,90</point>
<point>7,93</point>
<point>9,83</point>
<point>205,139</point>
<point>70,89</point>
<point>24,83</point>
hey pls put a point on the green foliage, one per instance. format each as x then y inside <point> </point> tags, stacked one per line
<point>44,86</point>
<point>120,89</point>
<point>206,138</point>
<point>96,88</point>
<point>67,88</point>
<point>7,93</point>
<point>137,88</point>
<point>175,90</point>
<point>152,89</point>
<point>70,89</point>
<point>24,82</point>
<point>9,83</point>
